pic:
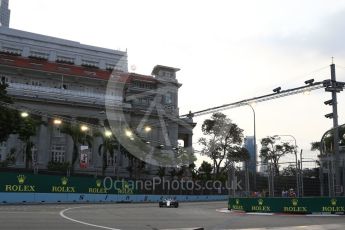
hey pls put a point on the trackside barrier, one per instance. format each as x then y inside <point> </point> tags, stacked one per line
<point>302,205</point>
<point>30,188</point>
<point>20,198</point>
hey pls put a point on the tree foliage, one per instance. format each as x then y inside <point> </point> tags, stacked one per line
<point>315,146</point>
<point>273,150</point>
<point>222,143</point>
<point>307,172</point>
<point>205,170</point>
<point>135,165</point>
<point>8,118</point>
<point>27,128</point>
<point>289,171</point>
<point>108,146</point>
<point>328,142</point>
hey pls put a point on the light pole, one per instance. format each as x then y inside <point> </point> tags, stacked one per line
<point>255,151</point>
<point>297,180</point>
<point>301,174</point>
<point>334,87</point>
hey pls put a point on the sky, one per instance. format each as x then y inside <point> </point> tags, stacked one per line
<point>226,50</point>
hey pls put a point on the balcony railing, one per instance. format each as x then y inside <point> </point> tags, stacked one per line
<point>42,92</point>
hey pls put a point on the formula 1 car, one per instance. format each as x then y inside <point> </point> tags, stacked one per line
<point>169,203</point>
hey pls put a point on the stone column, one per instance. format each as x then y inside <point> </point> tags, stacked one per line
<point>189,140</point>
<point>96,159</point>
<point>69,145</point>
<point>43,142</point>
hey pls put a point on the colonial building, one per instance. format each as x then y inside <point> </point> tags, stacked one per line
<point>62,78</point>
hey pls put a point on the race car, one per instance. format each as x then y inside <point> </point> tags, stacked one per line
<point>169,202</point>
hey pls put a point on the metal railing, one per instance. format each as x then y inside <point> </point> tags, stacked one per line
<point>32,91</point>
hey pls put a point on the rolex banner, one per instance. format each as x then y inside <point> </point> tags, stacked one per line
<point>289,205</point>
<point>25,182</point>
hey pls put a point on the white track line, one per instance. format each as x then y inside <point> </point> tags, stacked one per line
<point>82,222</point>
<point>182,228</point>
<point>260,213</point>
<point>309,227</point>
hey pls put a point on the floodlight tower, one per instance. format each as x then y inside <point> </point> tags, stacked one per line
<point>334,87</point>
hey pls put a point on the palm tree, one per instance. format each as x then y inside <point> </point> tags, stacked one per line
<point>27,128</point>
<point>161,172</point>
<point>78,137</point>
<point>108,146</point>
<point>135,165</point>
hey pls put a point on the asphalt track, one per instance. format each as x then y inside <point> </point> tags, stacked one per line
<point>207,215</point>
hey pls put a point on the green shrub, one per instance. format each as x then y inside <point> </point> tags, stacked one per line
<point>58,166</point>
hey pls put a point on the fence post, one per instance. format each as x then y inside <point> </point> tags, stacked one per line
<point>273,174</point>
<point>321,179</point>
<point>344,177</point>
<point>247,178</point>
<point>269,178</point>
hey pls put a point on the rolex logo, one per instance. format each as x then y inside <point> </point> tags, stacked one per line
<point>237,201</point>
<point>261,201</point>
<point>334,202</point>
<point>98,183</point>
<point>294,202</point>
<point>21,179</point>
<point>64,181</point>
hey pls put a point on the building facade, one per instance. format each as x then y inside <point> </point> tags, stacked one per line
<point>62,78</point>
<point>250,146</point>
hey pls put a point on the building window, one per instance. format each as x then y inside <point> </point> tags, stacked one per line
<point>65,60</point>
<point>39,55</point>
<point>5,79</point>
<point>168,98</point>
<point>88,89</point>
<point>110,161</point>
<point>144,101</point>
<point>34,153</point>
<point>58,153</point>
<point>11,51</point>
<point>57,132</point>
<point>110,67</point>
<point>89,63</point>
<point>36,83</point>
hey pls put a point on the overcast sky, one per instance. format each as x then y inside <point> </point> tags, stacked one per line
<point>227,50</point>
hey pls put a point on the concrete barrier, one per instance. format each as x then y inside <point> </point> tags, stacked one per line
<point>22,198</point>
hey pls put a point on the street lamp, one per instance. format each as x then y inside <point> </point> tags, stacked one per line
<point>24,114</point>
<point>57,122</point>
<point>129,133</point>
<point>148,129</point>
<point>84,128</point>
<point>107,133</point>
<point>297,181</point>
